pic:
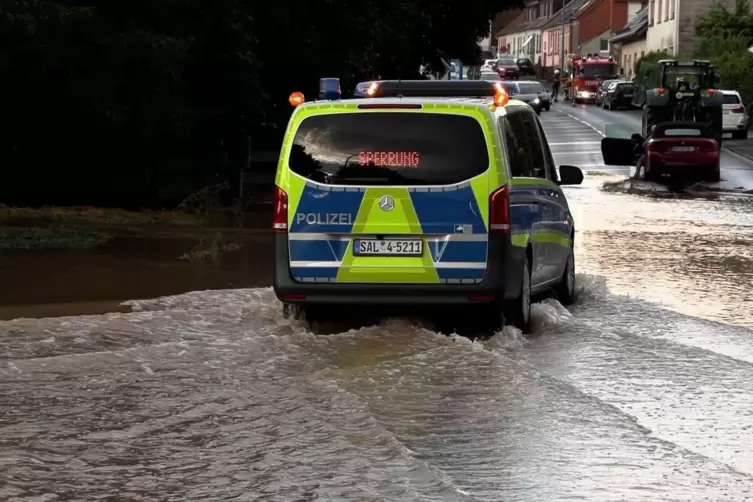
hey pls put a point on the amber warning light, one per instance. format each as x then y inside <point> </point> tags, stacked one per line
<point>501,97</point>
<point>392,159</point>
<point>296,99</point>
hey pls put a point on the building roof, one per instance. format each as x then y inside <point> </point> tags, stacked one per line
<point>504,18</point>
<point>536,24</point>
<point>634,30</point>
<point>513,27</point>
<point>571,12</point>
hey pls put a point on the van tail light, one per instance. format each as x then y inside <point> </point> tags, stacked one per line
<point>280,218</point>
<point>499,211</point>
<point>738,110</point>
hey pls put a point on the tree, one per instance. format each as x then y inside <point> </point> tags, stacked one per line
<point>725,38</point>
<point>143,99</point>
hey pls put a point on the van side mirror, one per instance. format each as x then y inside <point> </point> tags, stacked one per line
<point>570,175</point>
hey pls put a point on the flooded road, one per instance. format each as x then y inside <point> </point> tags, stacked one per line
<point>643,391</point>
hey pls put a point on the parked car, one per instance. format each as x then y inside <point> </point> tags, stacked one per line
<point>735,118</point>
<point>525,92</point>
<point>544,96</point>
<point>602,90</point>
<point>508,68</point>
<point>618,95</point>
<point>489,65</point>
<point>526,67</point>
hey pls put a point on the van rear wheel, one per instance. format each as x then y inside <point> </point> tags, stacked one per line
<point>565,290</point>
<point>518,311</point>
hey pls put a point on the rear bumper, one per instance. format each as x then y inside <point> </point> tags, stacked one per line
<point>502,282</point>
<point>676,169</point>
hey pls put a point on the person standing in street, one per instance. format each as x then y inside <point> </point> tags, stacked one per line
<point>556,86</point>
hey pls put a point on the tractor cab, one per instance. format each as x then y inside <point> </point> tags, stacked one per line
<point>679,91</point>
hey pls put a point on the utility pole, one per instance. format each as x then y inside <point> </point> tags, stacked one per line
<point>562,40</point>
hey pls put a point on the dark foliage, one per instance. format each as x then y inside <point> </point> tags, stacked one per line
<point>136,102</point>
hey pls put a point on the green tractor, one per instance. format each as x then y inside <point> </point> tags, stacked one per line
<point>675,91</point>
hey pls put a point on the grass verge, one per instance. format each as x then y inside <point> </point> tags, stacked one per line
<point>93,217</point>
<point>25,238</point>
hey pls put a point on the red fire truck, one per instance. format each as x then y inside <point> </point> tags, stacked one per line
<point>585,74</point>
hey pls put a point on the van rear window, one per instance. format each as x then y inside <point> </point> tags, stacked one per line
<point>389,148</point>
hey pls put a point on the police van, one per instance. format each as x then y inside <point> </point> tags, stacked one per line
<point>420,193</point>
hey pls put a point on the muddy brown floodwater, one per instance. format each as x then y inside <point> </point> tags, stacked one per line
<point>52,283</point>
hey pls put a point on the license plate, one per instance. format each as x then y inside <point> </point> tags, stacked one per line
<point>727,135</point>
<point>388,247</point>
<point>683,149</point>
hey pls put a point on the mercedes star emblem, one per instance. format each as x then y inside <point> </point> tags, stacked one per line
<point>386,203</point>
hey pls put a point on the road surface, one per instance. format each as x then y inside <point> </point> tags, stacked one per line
<point>643,391</point>
<point>737,171</point>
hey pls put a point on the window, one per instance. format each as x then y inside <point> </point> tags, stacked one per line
<point>673,6</point>
<point>731,99</point>
<point>666,9</point>
<point>683,132</point>
<point>652,13</point>
<point>390,148</point>
<point>548,158</point>
<point>658,12</point>
<point>528,151</point>
<point>511,88</point>
<point>535,149</point>
<point>643,53</point>
<point>604,44</point>
<point>512,130</point>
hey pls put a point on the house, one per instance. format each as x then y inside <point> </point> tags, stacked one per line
<point>629,44</point>
<point>507,37</point>
<point>522,38</point>
<point>599,20</point>
<point>552,34</point>
<point>671,24</point>
<point>490,45</point>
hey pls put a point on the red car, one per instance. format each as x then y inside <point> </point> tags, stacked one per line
<point>683,149</point>
<point>507,68</point>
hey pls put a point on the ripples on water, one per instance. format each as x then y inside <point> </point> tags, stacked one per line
<point>213,396</point>
<point>693,255</point>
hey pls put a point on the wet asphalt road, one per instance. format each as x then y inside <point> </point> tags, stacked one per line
<point>737,172</point>
<point>643,391</point>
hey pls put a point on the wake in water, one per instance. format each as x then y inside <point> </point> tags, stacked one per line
<point>265,308</point>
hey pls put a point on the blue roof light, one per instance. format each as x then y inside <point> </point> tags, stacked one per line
<point>329,89</point>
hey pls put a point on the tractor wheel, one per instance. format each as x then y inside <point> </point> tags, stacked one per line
<point>652,116</point>
<point>713,116</point>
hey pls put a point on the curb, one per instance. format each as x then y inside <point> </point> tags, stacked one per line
<point>740,157</point>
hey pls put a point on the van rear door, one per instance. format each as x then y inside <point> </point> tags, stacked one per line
<point>390,196</point>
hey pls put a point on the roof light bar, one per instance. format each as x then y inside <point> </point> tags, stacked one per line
<point>426,88</point>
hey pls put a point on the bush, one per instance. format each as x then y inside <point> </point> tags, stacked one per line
<point>725,38</point>
<point>733,61</point>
